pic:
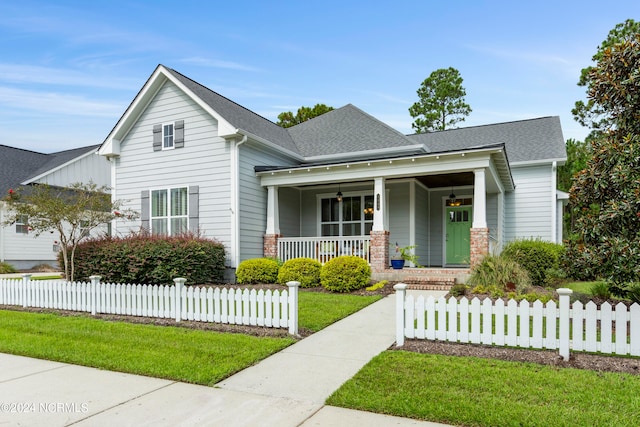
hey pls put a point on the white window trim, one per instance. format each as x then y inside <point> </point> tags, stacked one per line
<point>320,197</point>
<point>168,217</point>
<point>22,224</point>
<point>173,136</point>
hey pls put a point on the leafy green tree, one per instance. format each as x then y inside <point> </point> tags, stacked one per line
<point>578,153</point>
<point>592,114</point>
<point>288,119</point>
<point>441,102</point>
<point>605,196</point>
<point>72,211</point>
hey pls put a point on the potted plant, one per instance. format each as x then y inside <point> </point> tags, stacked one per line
<point>402,255</point>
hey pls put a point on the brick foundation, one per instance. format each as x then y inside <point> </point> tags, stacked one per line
<point>379,252</point>
<point>479,245</point>
<point>270,245</point>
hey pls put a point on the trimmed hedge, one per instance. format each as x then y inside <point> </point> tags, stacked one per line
<point>538,257</point>
<point>147,259</point>
<point>257,270</point>
<point>345,274</point>
<point>303,270</point>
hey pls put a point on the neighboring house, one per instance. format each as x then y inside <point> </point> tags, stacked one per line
<point>20,168</point>
<point>191,159</point>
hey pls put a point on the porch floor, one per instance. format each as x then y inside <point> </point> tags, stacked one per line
<point>430,278</point>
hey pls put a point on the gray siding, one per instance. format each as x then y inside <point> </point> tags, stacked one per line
<point>253,199</point>
<point>399,226</point>
<point>436,231</point>
<point>422,224</point>
<point>528,209</point>
<point>90,168</point>
<point>203,161</point>
<point>289,208</point>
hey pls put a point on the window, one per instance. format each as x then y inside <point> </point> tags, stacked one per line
<point>351,217</point>
<point>167,136</point>
<point>169,214</point>
<point>21,224</point>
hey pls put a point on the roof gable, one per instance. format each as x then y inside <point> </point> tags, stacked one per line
<point>345,131</point>
<point>21,166</point>
<point>525,140</point>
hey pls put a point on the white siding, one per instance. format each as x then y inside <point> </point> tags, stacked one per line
<point>203,161</point>
<point>528,210</point>
<point>89,168</point>
<point>25,250</point>
<point>253,199</point>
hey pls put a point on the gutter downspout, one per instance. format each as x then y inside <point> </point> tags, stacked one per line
<point>554,202</point>
<point>235,200</point>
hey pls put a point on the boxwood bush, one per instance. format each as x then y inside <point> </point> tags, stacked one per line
<point>538,257</point>
<point>147,259</point>
<point>345,274</point>
<point>257,270</point>
<point>303,270</point>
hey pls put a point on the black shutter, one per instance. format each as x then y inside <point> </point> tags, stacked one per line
<point>194,207</point>
<point>178,134</point>
<point>157,137</point>
<point>144,210</point>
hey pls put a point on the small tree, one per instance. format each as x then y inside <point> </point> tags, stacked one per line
<point>441,102</point>
<point>71,211</point>
<point>288,119</point>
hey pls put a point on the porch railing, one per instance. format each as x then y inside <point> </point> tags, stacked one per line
<point>323,248</point>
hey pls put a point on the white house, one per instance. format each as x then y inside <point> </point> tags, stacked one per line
<point>19,168</point>
<point>344,182</point>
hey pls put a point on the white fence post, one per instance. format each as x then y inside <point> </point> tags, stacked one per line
<point>178,304</point>
<point>26,279</point>
<point>564,322</point>
<point>95,285</point>
<point>293,307</point>
<point>401,290</point>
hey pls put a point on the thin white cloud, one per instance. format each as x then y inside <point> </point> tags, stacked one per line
<point>56,103</point>
<point>216,63</point>
<point>18,73</point>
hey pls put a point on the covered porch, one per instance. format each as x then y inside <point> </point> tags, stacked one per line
<point>448,205</point>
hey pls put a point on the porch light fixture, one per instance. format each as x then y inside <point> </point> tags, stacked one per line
<point>339,194</point>
<point>452,201</point>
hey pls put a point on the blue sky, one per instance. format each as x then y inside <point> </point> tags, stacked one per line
<point>69,69</point>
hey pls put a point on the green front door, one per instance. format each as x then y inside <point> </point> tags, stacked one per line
<point>458,238</point>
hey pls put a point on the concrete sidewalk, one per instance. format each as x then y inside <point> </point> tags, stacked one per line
<point>286,389</point>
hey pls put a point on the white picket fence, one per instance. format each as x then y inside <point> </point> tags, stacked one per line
<point>272,309</point>
<point>561,326</point>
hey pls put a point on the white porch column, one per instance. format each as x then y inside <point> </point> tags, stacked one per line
<point>273,217</point>
<point>378,204</point>
<point>479,200</point>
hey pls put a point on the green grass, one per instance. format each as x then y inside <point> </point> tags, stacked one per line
<point>194,356</point>
<point>582,287</point>
<point>318,310</point>
<point>484,392</point>
<point>48,277</point>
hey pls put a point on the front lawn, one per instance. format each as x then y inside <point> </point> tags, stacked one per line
<point>485,392</point>
<point>170,352</point>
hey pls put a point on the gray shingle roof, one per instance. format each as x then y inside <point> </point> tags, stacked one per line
<point>239,116</point>
<point>351,130</point>
<point>345,130</point>
<point>525,140</point>
<point>18,165</point>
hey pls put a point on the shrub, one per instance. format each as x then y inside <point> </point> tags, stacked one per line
<point>257,270</point>
<point>600,290</point>
<point>536,256</point>
<point>381,284</point>
<point>345,274</point>
<point>458,290</point>
<point>499,271</point>
<point>303,270</point>
<point>143,258</point>
<point>6,268</point>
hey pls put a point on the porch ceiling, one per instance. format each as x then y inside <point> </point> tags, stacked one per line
<point>447,180</point>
